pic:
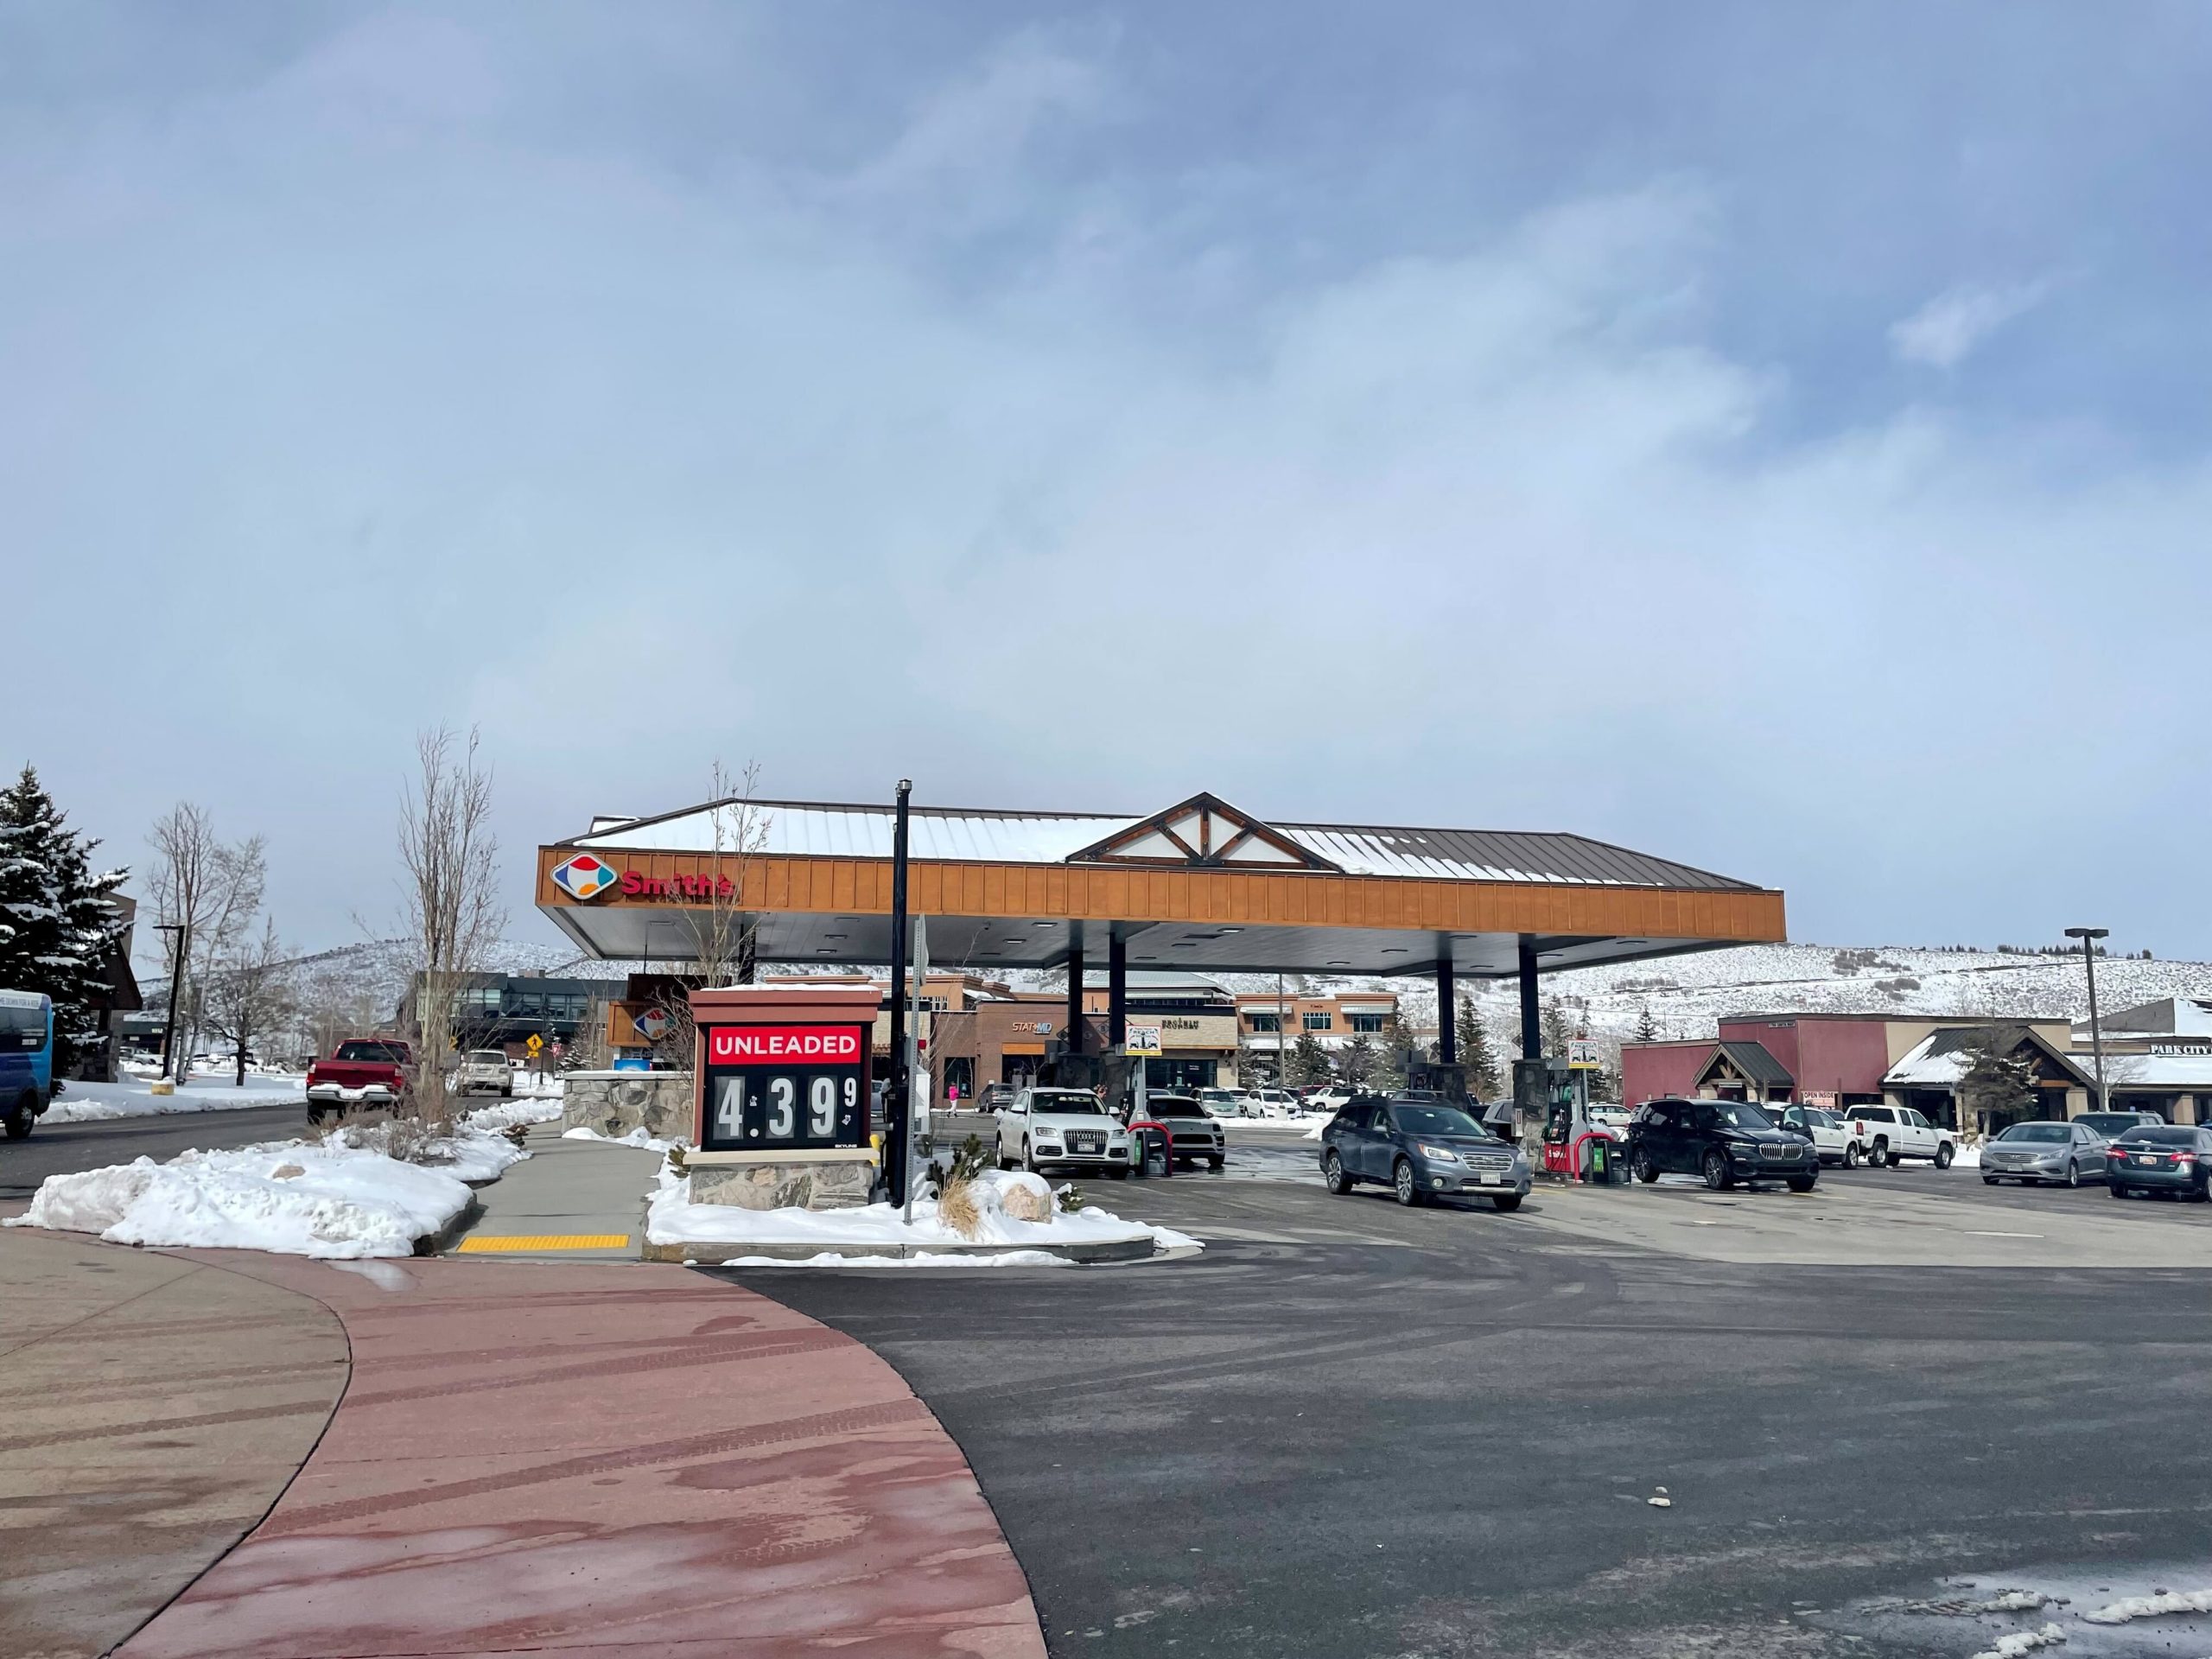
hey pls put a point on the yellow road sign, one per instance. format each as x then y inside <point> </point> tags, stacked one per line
<point>535,1043</point>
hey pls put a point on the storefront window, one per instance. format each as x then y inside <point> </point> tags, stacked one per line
<point>1318,1022</point>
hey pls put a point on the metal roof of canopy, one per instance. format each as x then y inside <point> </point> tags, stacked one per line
<point>1199,886</point>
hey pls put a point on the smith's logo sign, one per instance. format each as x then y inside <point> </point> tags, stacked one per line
<point>583,877</point>
<point>782,1045</point>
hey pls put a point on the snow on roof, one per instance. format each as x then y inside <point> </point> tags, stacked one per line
<point>1940,1058</point>
<point>817,828</point>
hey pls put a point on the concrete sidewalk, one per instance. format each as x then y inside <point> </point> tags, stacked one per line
<point>568,1200</point>
<point>606,1460</point>
<point>154,1408</point>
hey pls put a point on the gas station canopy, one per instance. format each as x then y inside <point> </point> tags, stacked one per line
<point>1201,885</point>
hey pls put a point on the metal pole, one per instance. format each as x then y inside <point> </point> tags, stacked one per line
<point>176,978</point>
<point>2096,1033</point>
<point>1282,1039</point>
<point>1075,996</point>
<point>1117,992</point>
<point>894,1092</point>
<point>1447,1039</point>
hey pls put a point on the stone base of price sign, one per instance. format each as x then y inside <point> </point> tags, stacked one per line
<point>831,1178</point>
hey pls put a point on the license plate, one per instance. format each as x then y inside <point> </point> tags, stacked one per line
<point>1488,1178</point>
<point>2146,1158</point>
<point>1085,1143</point>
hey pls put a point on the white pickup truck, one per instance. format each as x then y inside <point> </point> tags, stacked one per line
<point>1890,1134</point>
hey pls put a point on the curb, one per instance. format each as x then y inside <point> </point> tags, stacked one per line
<point>454,1231</point>
<point>695,1254</point>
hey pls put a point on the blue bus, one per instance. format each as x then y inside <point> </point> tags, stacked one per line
<point>26,1059</point>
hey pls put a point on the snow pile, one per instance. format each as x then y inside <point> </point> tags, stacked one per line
<point>467,1154</point>
<point>672,1219</point>
<point>2154,1606</point>
<point>637,1137</point>
<point>508,1113</point>
<point>97,1102</point>
<point>2020,1642</point>
<point>293,1198</point>
<point>923,1259</point>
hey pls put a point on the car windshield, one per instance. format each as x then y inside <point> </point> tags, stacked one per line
<point>385,1052</point>
<point>2112,1122</point>
<point>1740,1114</point>
<point>1433,1120</point>
<point>1067,1105</point>
<point>2038,1132</point>
<point>2165,1137</point>
<point>1171,1106</point>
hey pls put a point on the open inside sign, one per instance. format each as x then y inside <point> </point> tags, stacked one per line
<point>773,1087</point>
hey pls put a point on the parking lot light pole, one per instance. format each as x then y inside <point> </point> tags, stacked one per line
<point>897,1157</point>
<point>2089,936</point>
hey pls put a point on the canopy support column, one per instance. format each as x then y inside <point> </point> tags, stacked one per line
<point>1074,991</point>
<point>1447,1035</point>
<point>1117,990</point>
<point>1532,1022</point>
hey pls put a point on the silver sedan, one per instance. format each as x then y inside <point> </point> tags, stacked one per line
<point>2069,1153</point>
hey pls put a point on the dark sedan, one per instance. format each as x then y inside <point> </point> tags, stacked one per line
<point>2167,1159</point>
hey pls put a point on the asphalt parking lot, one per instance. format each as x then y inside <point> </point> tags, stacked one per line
<point>1352,1429</point>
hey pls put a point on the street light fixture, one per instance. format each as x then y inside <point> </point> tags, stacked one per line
<point>2089,936</point>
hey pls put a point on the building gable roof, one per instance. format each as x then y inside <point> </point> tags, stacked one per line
<point>1753,1060</point>
<point>1942,1057</point>
<point>1204,830</point>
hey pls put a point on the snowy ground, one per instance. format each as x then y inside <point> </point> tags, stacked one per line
<point>672,1219</point>
<point>340,1197</point>
<point>95,1103</point>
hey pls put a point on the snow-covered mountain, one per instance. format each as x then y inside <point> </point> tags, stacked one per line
<point>1685,995</point>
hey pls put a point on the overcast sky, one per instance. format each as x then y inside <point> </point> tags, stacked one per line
<point>1770,436</point>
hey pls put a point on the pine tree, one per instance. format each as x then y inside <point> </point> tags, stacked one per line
<point>1475,1054</point>
<point>1556,1031</point>
<point>1996,1082</point>
<point>58,925</point>
<point>1400,1048</point>
<point>1309,1061</point>
<point>1356,1063</point>
<point>1646,1028</point>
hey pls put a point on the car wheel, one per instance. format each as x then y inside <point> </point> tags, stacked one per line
<point>1879,1154</point>
<point>1405,1183</point>
<point>2201,1193</point>
<point>1640,1166</point>
<point>1333,1176</point>
<point>1850,1159</point>
<point>1118,1172</point>
<point>315,1115</point>
<point>18,1122</point>
<point>1028,1156</point>
<point>1800,1183</point>
<point>2120,1192</point>
<point>2073,1174</point>
<point>1216,1161</point>
<point>1507,1202</point>
<point>1716,1172</point>
<point>1989,1181</point>
<point>1944,1154</point>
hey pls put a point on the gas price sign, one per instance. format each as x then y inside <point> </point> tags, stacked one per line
<point>773,1087</point>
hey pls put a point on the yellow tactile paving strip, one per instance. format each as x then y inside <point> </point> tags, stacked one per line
<point>543,1242</point>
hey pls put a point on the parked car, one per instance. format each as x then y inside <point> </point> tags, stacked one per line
<point>484,1072</point>
<point>2112,1125</point>
<point>2032,1153</point>
<point>1274,1103</point>
<point>1893,1134</point>
<point>1193,1134</point>
<point>994,1096</point>
<point>1613,1120</point>
<point>1833,1135</point>
<point>1223,1102</point>
<point>2160,1158</point>
<point>27,1085</point>
<point>1066,1127</point>
<point>1724,1141</point>
<point>360,1072</point>
<point>1420,1150</point>
<point>1330,1098</point>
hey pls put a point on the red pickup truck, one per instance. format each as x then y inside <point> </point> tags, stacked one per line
<point>361,1072</point>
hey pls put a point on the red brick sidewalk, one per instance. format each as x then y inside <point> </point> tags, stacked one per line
<point>606,1461</point>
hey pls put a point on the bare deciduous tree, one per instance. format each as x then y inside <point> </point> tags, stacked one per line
<point>210,889</point>
<point>449,857</point>
<point>248,994</point>
<point>718,915</point>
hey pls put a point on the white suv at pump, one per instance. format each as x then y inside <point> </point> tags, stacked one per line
<point>1063,1127</point>
<point>1893,1134</point>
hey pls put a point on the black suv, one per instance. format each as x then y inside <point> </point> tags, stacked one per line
<point>1724,1140</point>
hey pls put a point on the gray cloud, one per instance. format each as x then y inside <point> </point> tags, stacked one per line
<point>1075,414</point>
